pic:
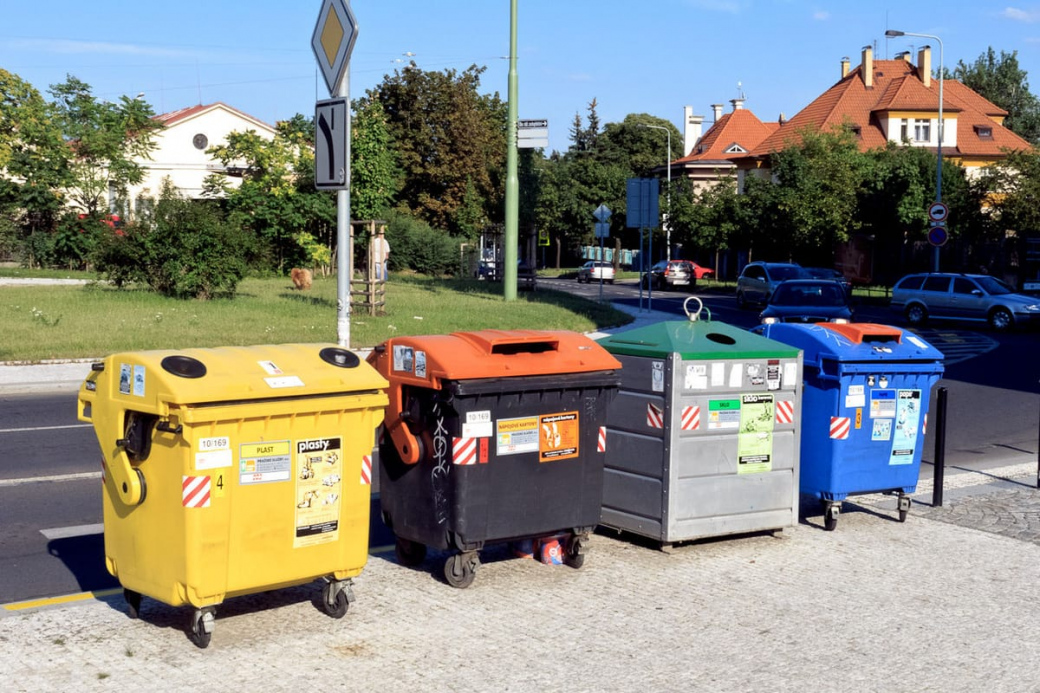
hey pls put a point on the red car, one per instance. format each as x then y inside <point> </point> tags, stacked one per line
<point>700,272</point>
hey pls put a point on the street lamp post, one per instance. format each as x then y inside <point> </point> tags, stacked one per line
<point>892,33</point>
<point>668,194</point>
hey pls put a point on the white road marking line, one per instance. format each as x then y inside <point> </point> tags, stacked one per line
<point>57,477</point>
<point>76,531</point>
<point>43,428</point>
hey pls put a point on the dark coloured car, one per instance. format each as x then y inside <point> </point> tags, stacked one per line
<point>832,274</point>
<point>807,300</point>
<point>971,297</point>
<point>758,280</point>
<point>668,274</point>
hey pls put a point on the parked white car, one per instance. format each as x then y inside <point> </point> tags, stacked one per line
<point>594,270</point>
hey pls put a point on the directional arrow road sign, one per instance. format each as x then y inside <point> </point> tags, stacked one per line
<point>330,144</point>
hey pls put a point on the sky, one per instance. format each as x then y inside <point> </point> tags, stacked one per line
<point>652,57</point>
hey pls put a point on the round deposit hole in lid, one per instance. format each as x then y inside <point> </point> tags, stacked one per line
<point>339,357</point>
<point>184,366</point>
<point>721,338</point>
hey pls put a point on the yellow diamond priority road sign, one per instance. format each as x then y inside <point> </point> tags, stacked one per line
<point>333,41</point>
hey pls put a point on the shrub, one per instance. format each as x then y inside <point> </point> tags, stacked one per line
<point>185,250</point>
<point>416,245</point>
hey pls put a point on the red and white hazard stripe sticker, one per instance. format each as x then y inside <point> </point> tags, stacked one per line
<point>691,418</point>
<point>784,411</point>
<point>195,491</point>
<point>464,451</point>
<point>366,470</point>
<point>654,416</point>
<point>601,442</point>
<point>840,426</point>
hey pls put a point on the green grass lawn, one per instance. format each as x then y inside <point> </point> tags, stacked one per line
<point>51,322</point>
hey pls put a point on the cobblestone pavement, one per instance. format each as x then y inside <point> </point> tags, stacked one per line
<point>927,605</point>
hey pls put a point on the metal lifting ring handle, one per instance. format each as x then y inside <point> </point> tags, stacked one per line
<point>696,315</point>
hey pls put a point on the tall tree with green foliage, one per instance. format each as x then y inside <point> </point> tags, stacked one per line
<point>33,166</point>
<point>448,136</point>
<point>277,200</point>
<point>374,173</point>
<point>1001,80</point>
<point>107,142</point>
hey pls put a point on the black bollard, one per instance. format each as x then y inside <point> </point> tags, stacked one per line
<point>940,448</point>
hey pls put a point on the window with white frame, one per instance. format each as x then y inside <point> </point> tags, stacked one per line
<point>904,130</point>
<point>922,130</point>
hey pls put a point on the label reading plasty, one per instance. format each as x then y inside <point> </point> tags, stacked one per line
<point>319,490</point>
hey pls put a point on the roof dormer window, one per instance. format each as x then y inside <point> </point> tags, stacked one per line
<point>985,132</point>
<point>735,149</point>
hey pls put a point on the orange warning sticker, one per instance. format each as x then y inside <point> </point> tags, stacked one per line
<point>558,436</point>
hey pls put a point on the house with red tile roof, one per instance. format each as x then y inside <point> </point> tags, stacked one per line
<point>713,157</point>
<point>180,152</point>
<point>896,101</point>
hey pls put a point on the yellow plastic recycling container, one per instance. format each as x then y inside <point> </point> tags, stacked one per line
<point>234,470</point>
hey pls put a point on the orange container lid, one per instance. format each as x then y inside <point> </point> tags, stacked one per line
<point>859,332</point>
<point>489,354</point>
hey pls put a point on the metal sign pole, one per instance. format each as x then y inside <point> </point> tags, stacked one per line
<point>344,253</point>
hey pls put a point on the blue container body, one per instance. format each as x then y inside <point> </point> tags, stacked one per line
<point>864,406</point>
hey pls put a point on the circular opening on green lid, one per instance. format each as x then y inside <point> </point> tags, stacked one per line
<point>339,357</point>
<point>184,366</point>
<point>721,338</point>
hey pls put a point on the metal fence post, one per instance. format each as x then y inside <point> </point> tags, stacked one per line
<point>940,448</point>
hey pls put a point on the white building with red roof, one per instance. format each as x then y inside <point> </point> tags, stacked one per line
<point>180,154</point>
<point>896,101</point>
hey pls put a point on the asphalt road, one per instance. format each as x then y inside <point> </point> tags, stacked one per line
<point>50,500</point>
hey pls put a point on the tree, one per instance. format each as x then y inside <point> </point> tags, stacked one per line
<point>277,200</point>
<point>106,140</point>
<point>1002,81</point>
<point>374,175</point>
<point>33,167</point>
<point>447,136</point>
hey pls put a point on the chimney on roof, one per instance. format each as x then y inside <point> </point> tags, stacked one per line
<point>905,55</point>
<point>866,67</point>
<point>844,67</point>
<point>738,104</point>
<point>692,125</point>
<point>924,66</point>
<point>782,119</point>
<point>716,109</point>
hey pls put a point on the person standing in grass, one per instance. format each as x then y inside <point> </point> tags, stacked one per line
<point>380,255</point>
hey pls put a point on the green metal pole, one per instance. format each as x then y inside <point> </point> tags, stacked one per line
<point>512,178</point>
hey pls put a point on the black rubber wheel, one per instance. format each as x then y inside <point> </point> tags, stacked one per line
<point>741,301</point>
<point>409,553</point>
<point>574,560</point>
<point>460,570</point>
<point>916,314</point>
<point>337,608</point>
<point>1001,319</point>
<point>133,603</point>
<point>830,522</point>
<point>199,636</point>
<point>610,281</point>
<point>903,514</point>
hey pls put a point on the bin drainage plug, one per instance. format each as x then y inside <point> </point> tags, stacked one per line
<point>696,315</point>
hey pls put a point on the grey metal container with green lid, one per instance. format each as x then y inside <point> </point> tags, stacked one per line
<point>703,437</point>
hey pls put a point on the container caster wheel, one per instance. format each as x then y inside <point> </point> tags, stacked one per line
<point>133,603</point>
<point>460,569</point>
<point>336,597</point>
<point>575,554</point>
<point>409,553</point>
<point>904,506</point>
<point>830,516</point>
<point>202,626</point>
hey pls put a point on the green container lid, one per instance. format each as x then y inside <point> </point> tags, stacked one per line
<point>695,340</point>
